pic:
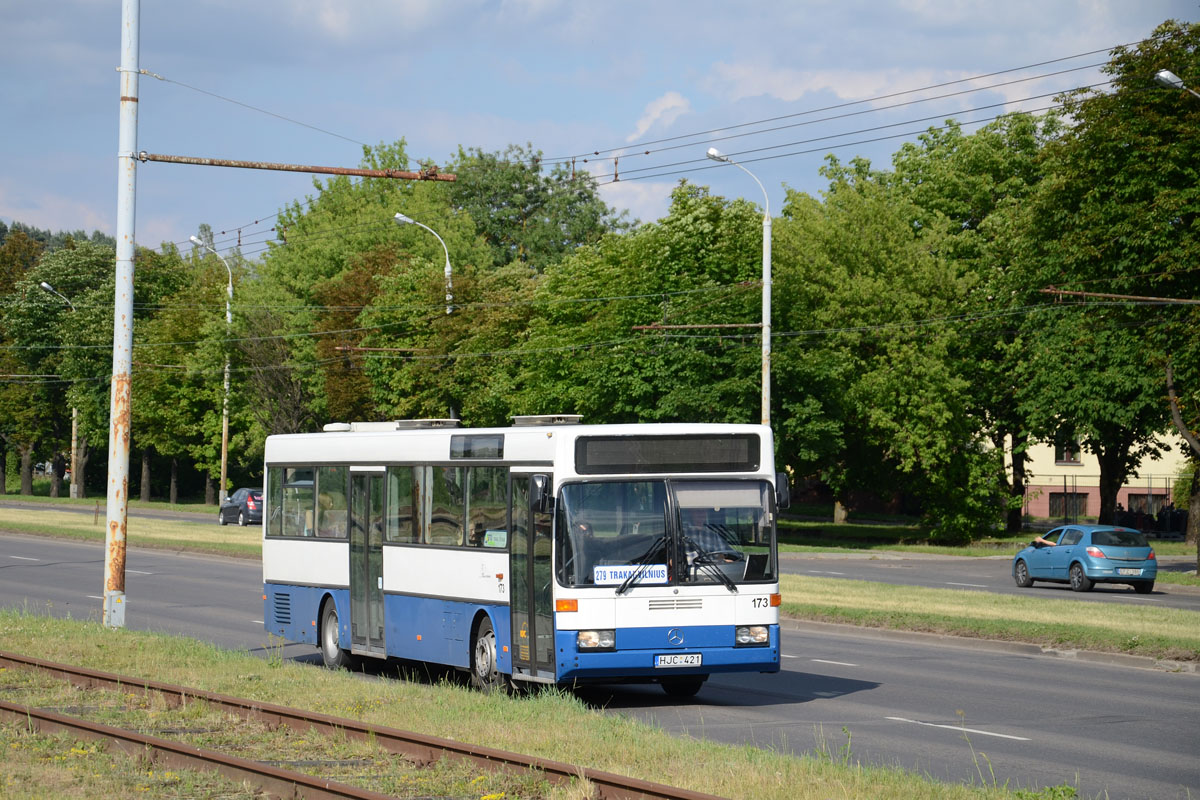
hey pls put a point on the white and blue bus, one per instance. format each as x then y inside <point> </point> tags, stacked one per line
<point>548,552</point>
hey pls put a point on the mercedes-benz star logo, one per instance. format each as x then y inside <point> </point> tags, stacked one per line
<point>675,636</point>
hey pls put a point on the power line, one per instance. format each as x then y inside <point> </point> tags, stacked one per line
<point>848,104</point>
<point>156,76</point>
<point>739,340</point>
<point>878,109</point>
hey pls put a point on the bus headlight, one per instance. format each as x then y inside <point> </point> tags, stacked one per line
<point>595,640</point>
<point>752,634</point>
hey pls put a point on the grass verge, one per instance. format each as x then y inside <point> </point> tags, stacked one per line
<point>550,724</point>
<point>1164,633</point>
<point>56,766</point>
<point>799,537</point>
<point>201,535</point>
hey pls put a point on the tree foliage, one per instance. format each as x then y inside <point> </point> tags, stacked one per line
<point>913,348</point>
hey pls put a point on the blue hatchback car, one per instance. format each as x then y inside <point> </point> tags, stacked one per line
<point>1084,555</point>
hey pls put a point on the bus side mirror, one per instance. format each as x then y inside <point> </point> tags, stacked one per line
<point>783,492</point>
<point>540,501</point>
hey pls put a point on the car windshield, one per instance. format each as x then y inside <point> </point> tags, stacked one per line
<point>665,532</point>
<point>1119,539</point>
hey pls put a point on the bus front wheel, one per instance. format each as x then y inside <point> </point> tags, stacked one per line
<point>331,652</point>
<point>485,674</point>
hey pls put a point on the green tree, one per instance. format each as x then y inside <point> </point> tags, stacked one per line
<point>873,357</point>
<point>524,213</point>
<point>977,187</point>
<point>63,344</point>
<point>1120,216</point>
<point>697,266</point>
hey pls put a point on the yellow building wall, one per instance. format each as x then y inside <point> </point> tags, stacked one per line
<point>1059,490</point>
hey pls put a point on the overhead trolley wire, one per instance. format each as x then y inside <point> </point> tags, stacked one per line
<point>848,104</point>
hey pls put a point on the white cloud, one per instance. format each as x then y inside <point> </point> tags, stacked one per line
<point>645,201</point>
<point>664,110</point>
<point>55,212</point>
<point>742,81</point>
<point>739,81</point>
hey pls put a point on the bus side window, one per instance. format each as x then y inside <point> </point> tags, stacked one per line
<point>446,517</point>
<point>487,506</point>
<point>331,502</point>
<point>297,501</point>
<point>275,501</point>
<point>402,499</point>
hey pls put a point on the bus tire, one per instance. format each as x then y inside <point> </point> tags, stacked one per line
<point>331,651</point>
<point>683,686</point>
<point>485,674</point>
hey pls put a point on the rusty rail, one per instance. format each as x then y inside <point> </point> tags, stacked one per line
<point>278,782</point>
<point>419,747</point>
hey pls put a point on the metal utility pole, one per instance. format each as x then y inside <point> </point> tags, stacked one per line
<point>119,407</point>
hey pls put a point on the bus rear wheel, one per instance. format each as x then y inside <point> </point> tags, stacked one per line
<point>683,686</point>
<point>485,674</point>
<point>331,651</point>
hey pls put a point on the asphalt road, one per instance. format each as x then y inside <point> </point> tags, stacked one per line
<point>979,713</point>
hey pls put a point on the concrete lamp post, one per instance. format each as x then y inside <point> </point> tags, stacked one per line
<point>225,400</point>
<point>74,490</point>
<point>716,155</point>
<point>403,220</point>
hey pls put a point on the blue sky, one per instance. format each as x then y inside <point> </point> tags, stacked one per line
<point>569,77</point>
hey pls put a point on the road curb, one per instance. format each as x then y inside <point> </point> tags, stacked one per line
<point>1023,648</point>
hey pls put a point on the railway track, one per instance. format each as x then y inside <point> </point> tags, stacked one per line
<point>420,748</point>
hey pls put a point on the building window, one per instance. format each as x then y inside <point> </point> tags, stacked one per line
<point>1068,505</point>
<point>1066,452</point>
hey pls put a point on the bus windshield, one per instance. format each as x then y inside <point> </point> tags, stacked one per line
<point>648,532</point>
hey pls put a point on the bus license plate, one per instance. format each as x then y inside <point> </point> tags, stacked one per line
<point>678,660</point>
<point>1128,571</point>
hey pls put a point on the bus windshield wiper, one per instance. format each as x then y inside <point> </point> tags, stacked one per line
<point>712,568</point>
<point>642,563</point>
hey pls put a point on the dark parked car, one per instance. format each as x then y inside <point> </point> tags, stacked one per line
<point>243,506</point>
<point>1084,555</point>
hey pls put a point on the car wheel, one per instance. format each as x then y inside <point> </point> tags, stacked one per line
<point>242,518</point>
<point>221,518</point>
<point>331,651</point>
<point>485,674</point>
<point>1079,581</point>
<point>1021,575</point>
<point>686,686</point>
<point>1144,587</point>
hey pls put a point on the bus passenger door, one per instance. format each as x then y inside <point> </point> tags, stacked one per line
<point>532,608</point>
<point>366,562</point>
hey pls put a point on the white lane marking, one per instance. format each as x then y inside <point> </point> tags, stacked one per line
<point>138,572</point>
<point>25,558</point>
<point>94,597</point>
<point>976,585</point>
<point>838,663</point>
<point>819,572</point>
<point>785,655</point>
<point>257,621</point>
<point>960,728</point>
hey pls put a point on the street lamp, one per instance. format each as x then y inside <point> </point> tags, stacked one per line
<point>74,490</point>
<point>403,220</point>
<point>225,400</point>
<point>1164,77</point>
<point>716,155</point>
